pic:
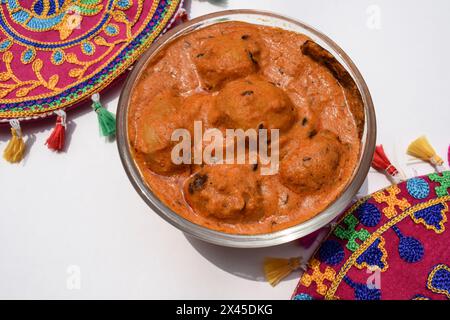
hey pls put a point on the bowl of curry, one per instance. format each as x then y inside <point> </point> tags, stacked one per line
<point>233,72</point>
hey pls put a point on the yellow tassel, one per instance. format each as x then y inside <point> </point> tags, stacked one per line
<point>423,150</point>
<point>275,269</point>
<point>15,149</point>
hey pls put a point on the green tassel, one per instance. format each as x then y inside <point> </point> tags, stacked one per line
<point>106,119</point>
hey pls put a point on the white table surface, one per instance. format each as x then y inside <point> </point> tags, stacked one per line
<point>72,226</point>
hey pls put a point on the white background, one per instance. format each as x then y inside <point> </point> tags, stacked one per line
<point>77,211</point>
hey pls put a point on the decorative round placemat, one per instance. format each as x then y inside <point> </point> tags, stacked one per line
<point>391,245</point>
<point>55,53</point>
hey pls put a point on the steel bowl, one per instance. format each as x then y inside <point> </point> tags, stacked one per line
<point>259,240</point>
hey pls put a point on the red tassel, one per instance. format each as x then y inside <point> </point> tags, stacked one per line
<point>57,138</point>
<point>381,162</point>
<point>183,15</point>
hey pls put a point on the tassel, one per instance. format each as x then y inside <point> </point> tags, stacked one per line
<point>182,15</point>
<point>423,150</point>
<point>57,138</point>
<point>15,150</point>
<point>275,269</point>
<point>106,119</point>
<point>381,163</point>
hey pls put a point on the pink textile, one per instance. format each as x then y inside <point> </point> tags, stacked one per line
<point>404,254</point>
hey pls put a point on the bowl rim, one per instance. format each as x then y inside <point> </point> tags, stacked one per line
<point>236,240</point>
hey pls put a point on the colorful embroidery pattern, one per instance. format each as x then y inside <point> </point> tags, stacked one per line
<point>350,234</point>
<point>409,248</point>
<point>418,188</point>
<point>375,255</point>
<point>433,217</point>
<point>318,277</point>
<point>58,52</point>
<point>439,280</point>
<point>403,245</point>
<point>303,296</point>
<point>368,214</point>
<point>444,182</point>
<point>391,200</point>
<point>331,252</point>
<point>362,291</point>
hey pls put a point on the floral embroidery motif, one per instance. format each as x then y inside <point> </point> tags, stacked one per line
<point>62,15</point>
<point>112,30</point>
<point>5,45</point>
<point>28,55</point>
<point>24,87</point>
<point>88,48</point>
<point>439,280</point>
<point>350,233</point>
<point>318,277</point>
<point>58,57</point>
<point>391,200</point>
<point>75,62</point>
<point>124,4</point>
<point>444,182</point>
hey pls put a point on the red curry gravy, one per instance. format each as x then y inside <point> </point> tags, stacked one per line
<point>239,75</point>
